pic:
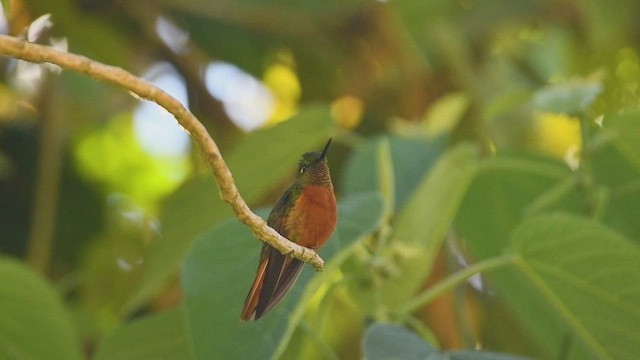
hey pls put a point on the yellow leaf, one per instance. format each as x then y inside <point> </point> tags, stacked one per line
<point>347,111</point>
<point>558,135</point>
<point>283,82</point>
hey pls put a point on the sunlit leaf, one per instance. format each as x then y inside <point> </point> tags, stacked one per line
<point>281,78</point>
<point>445,113</point>
<point>33,322</point>
<point>113,157</point>
<point>558,135</point>
<point>219,271</point>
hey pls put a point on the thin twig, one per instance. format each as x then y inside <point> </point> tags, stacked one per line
<point>20,49</point>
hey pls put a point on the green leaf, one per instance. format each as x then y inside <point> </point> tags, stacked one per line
<point>163,336</point>
<point>504,192</point>
<point>445,113</point>
<point>113,157</point>
<point>358,215</point>
<point>387,342</point>
<point>410,158</point>
<point>616,170</point>
<point>424,221</point>
<point>33,322</point>
<point>626,132</point>
<point>505,189</point>
<point>219,271</point>
<point>197,206</point>
<point>588,275</point>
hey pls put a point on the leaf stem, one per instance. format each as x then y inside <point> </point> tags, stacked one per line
<point>524,165</point>
<point>454,280</point>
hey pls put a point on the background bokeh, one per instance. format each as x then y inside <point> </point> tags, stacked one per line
<point>498,134</point>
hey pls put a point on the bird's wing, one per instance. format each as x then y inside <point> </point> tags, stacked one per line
<point>276,272</point>
<point>280,274</point>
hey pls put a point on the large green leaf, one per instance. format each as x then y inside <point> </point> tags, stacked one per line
<point>219,271</point>
<point>619,181</point>
<point>197,205</point>
<point>163,336</point>
<point>621,134</point>
<point>385,341</point>
<point>616,167</point>
<point>391,342</point>
<point>33,322</point>
<point>410,159</point>
<point>589,278</point>
<point>423,223</point>
<point>506,189</point>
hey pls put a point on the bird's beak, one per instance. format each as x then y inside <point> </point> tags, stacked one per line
<point>326,147</point>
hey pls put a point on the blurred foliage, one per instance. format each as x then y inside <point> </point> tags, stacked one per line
<point>501,136</point>
<point>114,158</point>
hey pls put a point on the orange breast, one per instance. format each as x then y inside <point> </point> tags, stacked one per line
<point>314,217</point>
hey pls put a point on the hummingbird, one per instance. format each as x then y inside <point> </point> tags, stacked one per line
<point>306,214</point>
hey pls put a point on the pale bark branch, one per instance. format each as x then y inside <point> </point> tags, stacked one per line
<point>16,48</point>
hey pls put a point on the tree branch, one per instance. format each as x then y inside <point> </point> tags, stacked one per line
<point>20,49</point>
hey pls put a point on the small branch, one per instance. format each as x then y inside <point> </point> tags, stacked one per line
<point>20,49</point>
<point>454,280</point>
